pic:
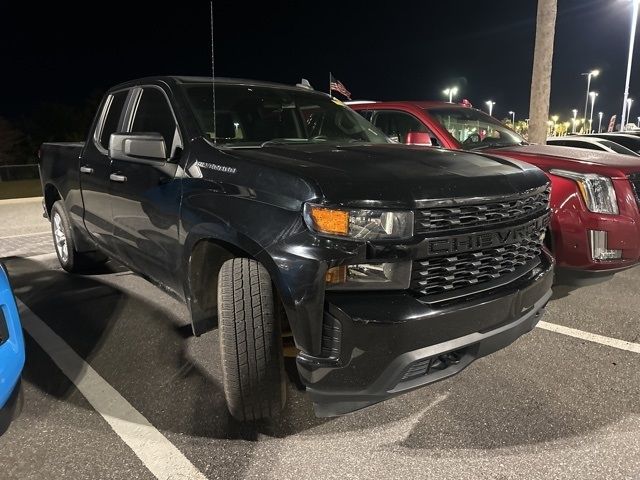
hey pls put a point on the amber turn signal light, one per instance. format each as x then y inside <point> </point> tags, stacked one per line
<point>326,220</point>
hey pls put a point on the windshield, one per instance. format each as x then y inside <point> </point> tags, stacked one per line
<point>249,116</point>
<point>474,129</point>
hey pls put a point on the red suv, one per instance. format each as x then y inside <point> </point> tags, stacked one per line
<point>595,227</point>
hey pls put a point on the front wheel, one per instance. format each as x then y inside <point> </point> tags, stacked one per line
<point>250,342</point>
<point>70,259</point>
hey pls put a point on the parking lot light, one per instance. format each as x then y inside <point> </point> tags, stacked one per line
<point>592,73</point>
<point>451,91</point>
<point>490,104</point>
<point>593,96</point>
<point>575,114</point>
<point>600,114</point>
<point>513,118</point>
<point>632,37</point>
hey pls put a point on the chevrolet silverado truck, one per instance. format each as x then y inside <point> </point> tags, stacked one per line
<point>291,224</point>
<point>595,221</point>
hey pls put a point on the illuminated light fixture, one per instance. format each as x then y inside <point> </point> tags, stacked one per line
<point>599,250</point>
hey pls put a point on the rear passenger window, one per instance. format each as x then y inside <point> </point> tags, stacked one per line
<point>112,119</point>
<point>153,115</point>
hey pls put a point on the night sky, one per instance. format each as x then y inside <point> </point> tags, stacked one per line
<point>60,53</point>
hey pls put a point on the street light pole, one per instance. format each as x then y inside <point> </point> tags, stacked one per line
<point>600,114</point>
<point>451,91</point>
<point>593,96</point>
<point>575,114</point>
<point>634,21</point>
<point>629,102</point>
<point>490,104</point>
<point>592,73</point>
<point>513,118</point>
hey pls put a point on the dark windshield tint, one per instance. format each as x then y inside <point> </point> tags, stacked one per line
<point>250,116</point>
<point>474,129</point>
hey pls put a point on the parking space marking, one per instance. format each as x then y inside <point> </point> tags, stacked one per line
<point>591,337</point>
<point>156,452</point>
<point>26,234</point>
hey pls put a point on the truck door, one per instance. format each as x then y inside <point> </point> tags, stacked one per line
<point>145,197</point>
<point>95,167</point>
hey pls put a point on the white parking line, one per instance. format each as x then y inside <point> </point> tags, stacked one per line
<point>591,337</point>
<point>157,453</point>
<point>26,235</point>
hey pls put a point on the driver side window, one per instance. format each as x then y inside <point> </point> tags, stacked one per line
<point>154,115</point>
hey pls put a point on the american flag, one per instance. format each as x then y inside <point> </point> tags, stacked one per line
<point>337,86</point>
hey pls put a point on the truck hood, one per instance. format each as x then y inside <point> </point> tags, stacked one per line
<point>569,158</point>
<point>395,175</point>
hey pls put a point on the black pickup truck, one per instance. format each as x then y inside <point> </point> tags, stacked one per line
<point>292,224</point>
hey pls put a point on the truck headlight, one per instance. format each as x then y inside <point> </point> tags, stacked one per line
<point>358,223</point>
<point>370,276</point>
<point>597,191</point>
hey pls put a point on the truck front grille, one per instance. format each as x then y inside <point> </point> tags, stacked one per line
<point>486,214</point>
<point>446,274</point>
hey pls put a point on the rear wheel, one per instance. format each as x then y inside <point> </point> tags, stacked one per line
<point>251,346</point>
<point>70,259</point>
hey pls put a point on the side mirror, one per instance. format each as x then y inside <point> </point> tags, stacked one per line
<point>138,147</point>
<point>418,138</point>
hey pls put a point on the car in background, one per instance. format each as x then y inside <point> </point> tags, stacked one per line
<point>626,139</point>
<point>599,144</point>
<point>595,224</point>
<point>11,353</point>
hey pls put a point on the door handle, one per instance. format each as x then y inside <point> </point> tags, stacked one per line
<point>87,170</point>
<point>114,177</point>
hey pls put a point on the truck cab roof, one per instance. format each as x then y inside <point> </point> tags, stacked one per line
<point>181,80</point>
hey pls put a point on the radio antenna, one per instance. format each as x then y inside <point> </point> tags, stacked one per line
<point>213,78</point>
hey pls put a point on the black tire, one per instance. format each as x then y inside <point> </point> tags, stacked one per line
<point>250,342</point>
<point>70,259</point>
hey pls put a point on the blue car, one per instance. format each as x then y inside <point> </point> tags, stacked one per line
<point>11,352</point>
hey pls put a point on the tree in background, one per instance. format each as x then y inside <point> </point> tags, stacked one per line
<point>12,142</point>
<point>541,78</point>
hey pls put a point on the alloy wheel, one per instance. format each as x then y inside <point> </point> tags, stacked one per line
<point>60,238</point>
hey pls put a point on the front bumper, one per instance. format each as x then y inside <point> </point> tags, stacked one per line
<point>385,344</point>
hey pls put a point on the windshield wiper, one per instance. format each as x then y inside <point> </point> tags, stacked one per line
<point>283,141</point>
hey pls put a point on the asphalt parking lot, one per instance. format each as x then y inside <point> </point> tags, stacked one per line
<point>115,386</point>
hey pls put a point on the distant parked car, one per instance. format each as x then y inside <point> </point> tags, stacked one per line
<point>599,144</point>
<point>631,141</point>
<point>11,352</point>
